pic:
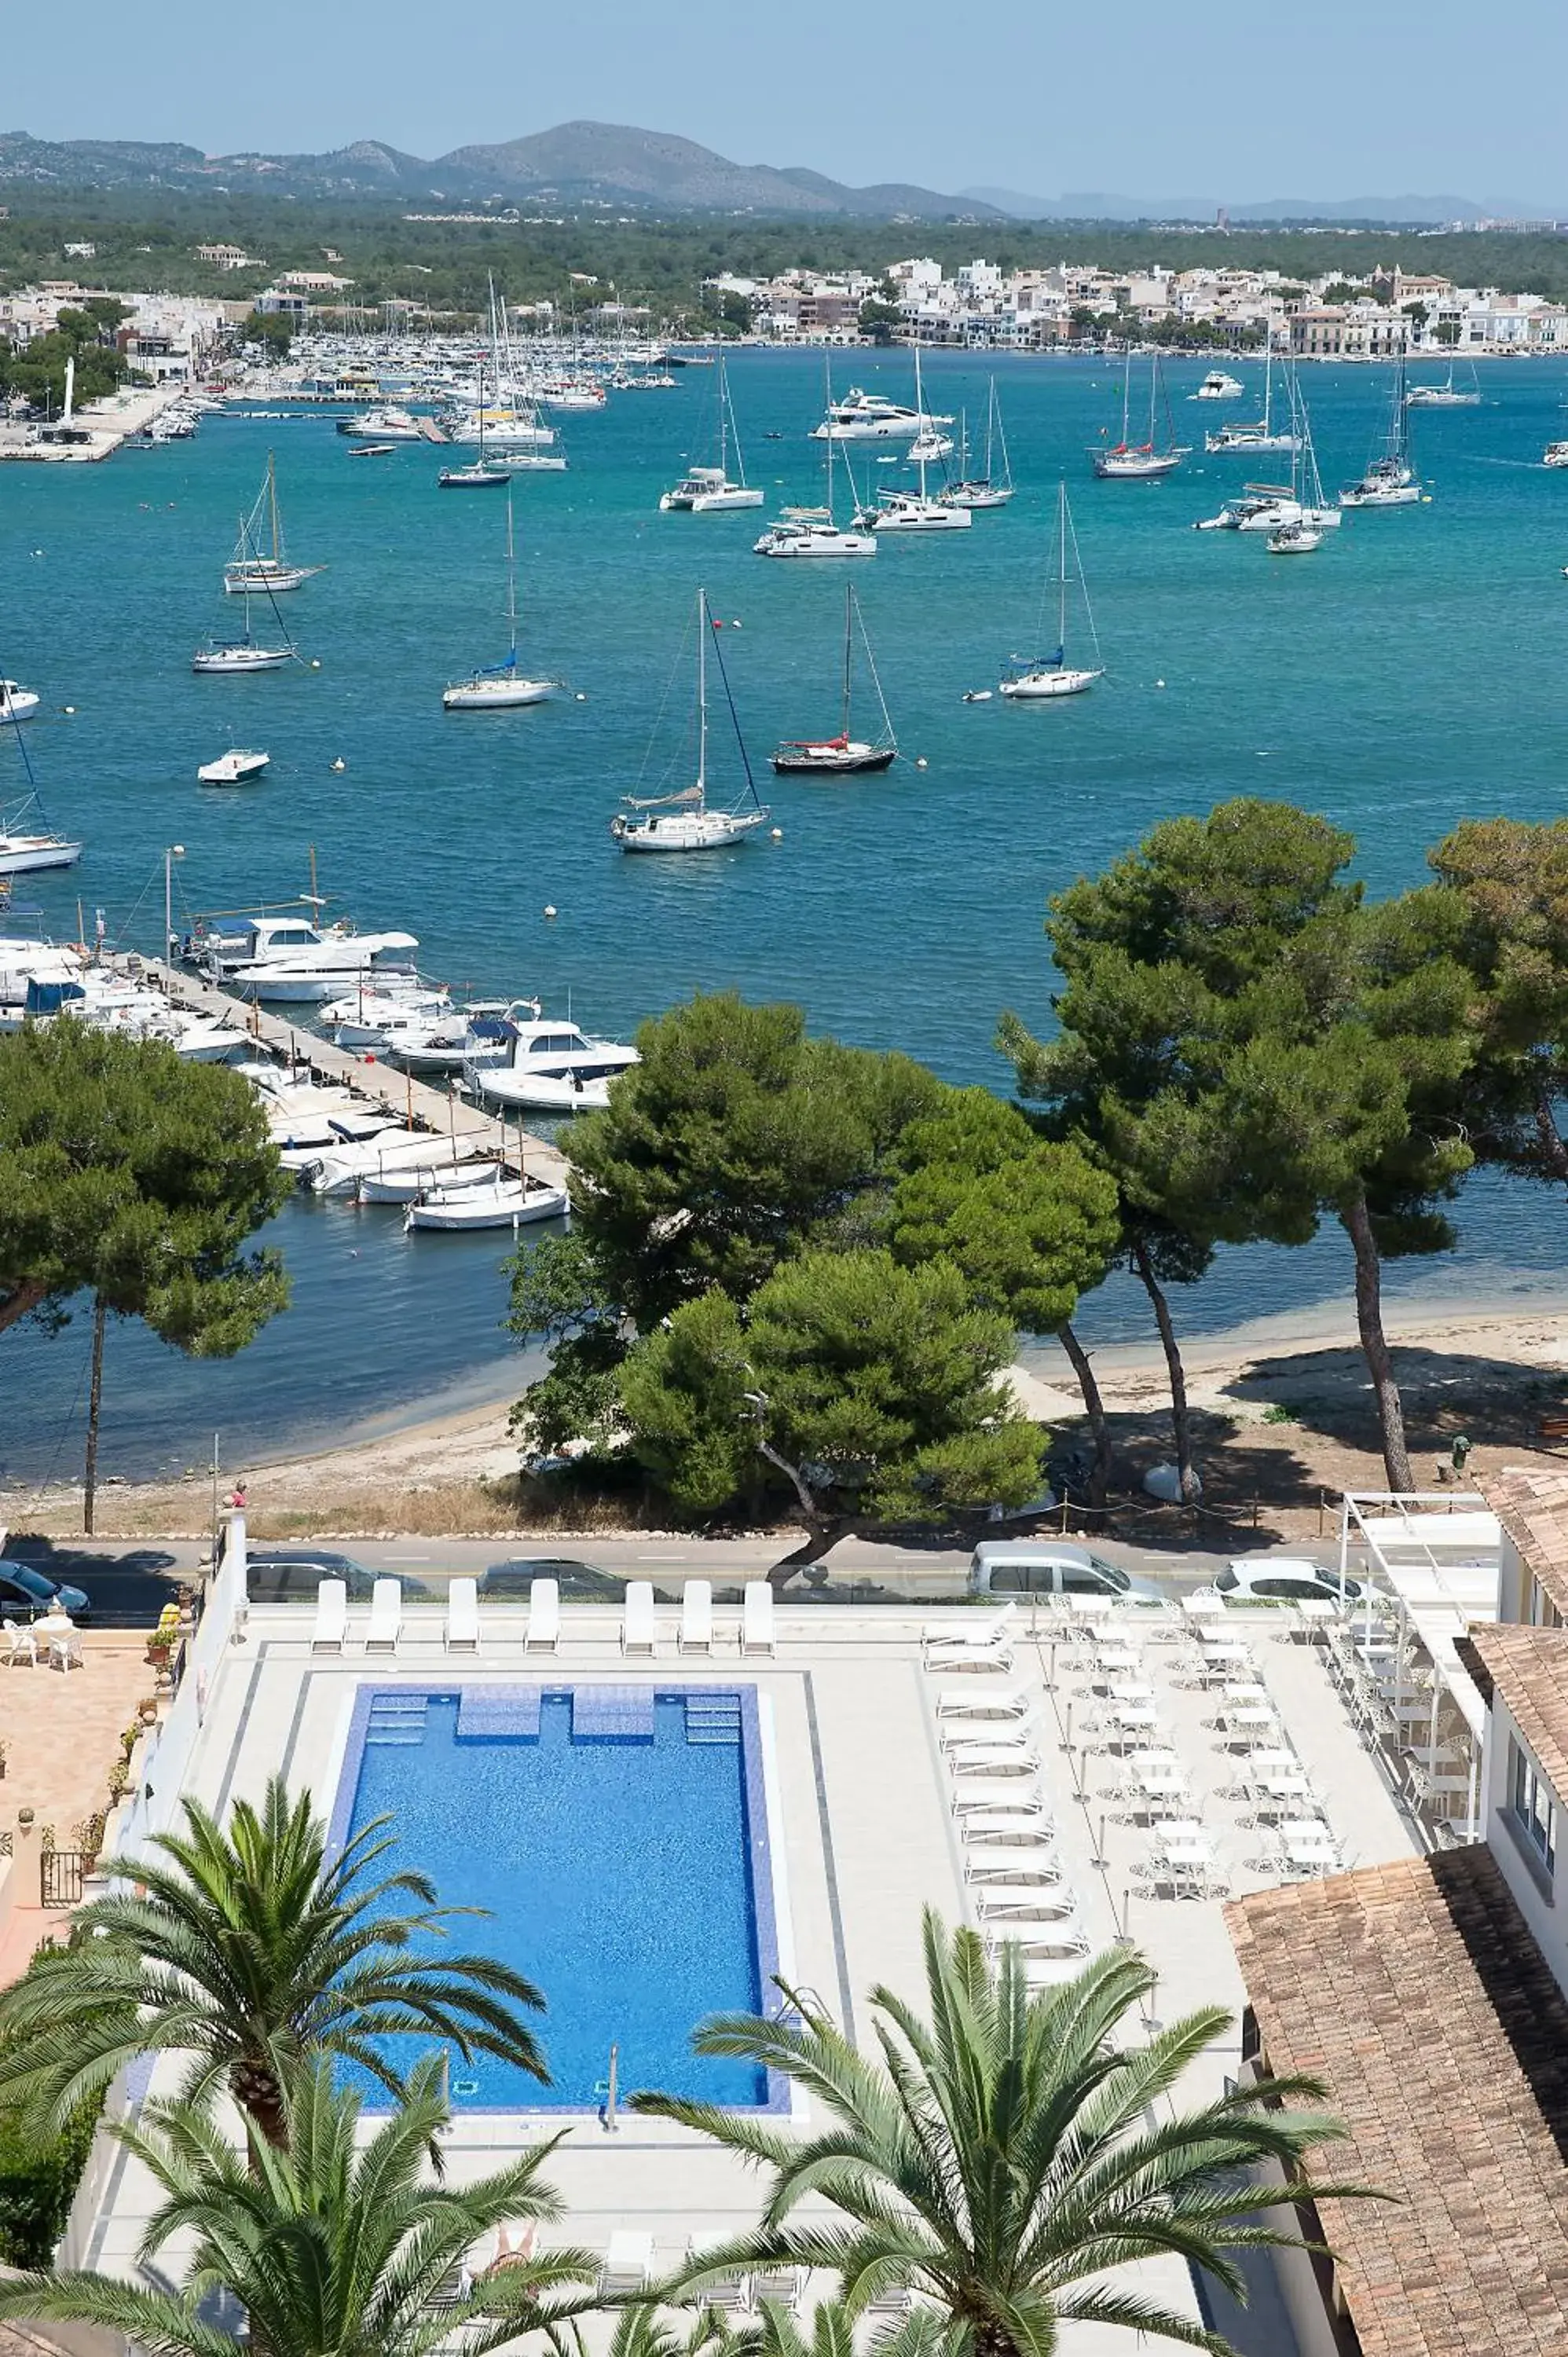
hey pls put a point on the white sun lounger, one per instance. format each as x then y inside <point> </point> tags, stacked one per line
<point>628,2265</point>
<point>1012,1903</point>
<point>756,1619</point>
<point>463,1616</point>
<point>386,1616</point>
<point>977,1645</point>
<point>983,1831</point>
<point>957,1737</point>
<point>638,1627</point>
<point>331,1617</point>
<point>1014,1796</point>
<point>996,1760</point>
<point>696,1632</point>
<point>980,1702</point>
<point>543,1633</point>
<point>1017,1864</point>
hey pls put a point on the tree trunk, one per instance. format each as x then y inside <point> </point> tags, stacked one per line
<point>1094,1406</point>
<point>822,1534</point>
<point>1181,1427</point>
<point>1357,1222</point>
<point>256,2091</point>
<point>22,1298</point>
<point>1553,1151</point>
<point>94,1401</point>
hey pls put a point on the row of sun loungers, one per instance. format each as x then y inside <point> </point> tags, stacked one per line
<point>640,1632</point>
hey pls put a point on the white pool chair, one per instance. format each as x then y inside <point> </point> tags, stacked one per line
<point>960,1736</point>
<point>386,1616</point>
<point>781,2286</point>
<point>983,1831</point>
<point>1012,1866</point>
<point>729,2293</point>
<point>1045,1969</point>
<point>21,1645</point>
<point>638,1627</point>
<point>981,1701</point>
<point>996,1759</point>
<point>1011,1796</point>
<point>696,1630</point>
<point>1013,1903</point>
<point>543,1631</point>
<point>983,1644</point>
<point>331,1617</point>
<point>463,1616</point>
<point>628,2265</point>
<point>756,1619</point>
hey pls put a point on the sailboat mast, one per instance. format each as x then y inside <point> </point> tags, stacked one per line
<point>510,586</point>
<point>1126,392</point>
<point>1061,591</point>
<point>702,688</point>
<point>848,617</point>
<point>724,424</point>
<point>919,421</point>
<point>272,505</point>
<point>828,390</point>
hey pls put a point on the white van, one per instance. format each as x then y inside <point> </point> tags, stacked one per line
<point>1036,1568</point>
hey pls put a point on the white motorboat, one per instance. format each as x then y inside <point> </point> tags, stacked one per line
<point>248,569</point>
<point>16,702</point>
<point>684,821</point>
<point>573,394</point>
<point>802,534</point>
<point>843,755</point>
<point>1260,434</point>
<point>708,490</point>
<point>992,487</point>
<point>289,958</point>
<point>502,687</point>
<point>1391,481</point>
<point>25,851</point>
<point>523,1059</point>
<point>1129,461</point>
<point>234,768</point>
<point>1555,454</point>
<point>503,1202</point>
<point>1047,677</point>
<point>420,1157</point>
<point>1447,395</point>
<point>498,428</point>
<point>401,1186</point>
<point>863,416</point>
<point>1218,386</point>
<point>393,1007</point>
<point>382,425</point>
<point>443,1042</point>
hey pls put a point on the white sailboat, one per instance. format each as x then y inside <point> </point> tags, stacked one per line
<point>1040,678</point>
<point>1447,395</point>
<point>1262,434</point>
<point>1303,503</point>
<point>992,487</point>
<point>843,756</point>
<point>682,821</point>
<point>1145,461</point>
<point>708,490</point>
<point>917,511</point>
<point>247,568</point>
<point>502,686</point>
<point>227,657</point>
<point>1391,481</point>
<point>801,532</point>
<point>28,845</point>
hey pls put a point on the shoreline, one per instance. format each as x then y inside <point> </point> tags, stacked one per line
<point>1281,1409</point>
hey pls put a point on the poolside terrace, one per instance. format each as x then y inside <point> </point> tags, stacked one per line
<point>1141,1766</point>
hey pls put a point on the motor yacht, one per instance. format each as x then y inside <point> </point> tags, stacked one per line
<point>384,424</point>
<point>521,1058</point>
<point>1218,386</point>
<point>863,416</point>
<point>19,703</point>
<point>235,768</point>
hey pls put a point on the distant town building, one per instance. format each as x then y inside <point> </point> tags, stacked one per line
<point>229,257</point>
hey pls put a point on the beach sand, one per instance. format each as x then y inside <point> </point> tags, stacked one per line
<point>1282,1416</point>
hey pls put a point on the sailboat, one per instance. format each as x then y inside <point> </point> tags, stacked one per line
<point>917,511</point>
<point>502,686</point>
<point>479,476</point>
<point>683,821</point>
<point>1302,502</point>
<point>247,571</point>
<point>1447,395</point>
<point>993,487</point>
<point>707,490</point>
<point>1262,433</point>
<point>28,842</point>
<point>813,532</point>
<point>1391,481</point>
<point>1128,461</point>
<point>246,653</point>
<point>843,756</point>
<point>1052,675</point>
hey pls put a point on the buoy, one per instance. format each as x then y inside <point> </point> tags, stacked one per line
<point>778,834</point>
<point>340,763</point>
<point>581,696</point>
<point>920,763</point>
<point>735,626</point>
<point>68,710</point>
<point>316,663</point>
<point>550,907</point>
<point>1159,682</point>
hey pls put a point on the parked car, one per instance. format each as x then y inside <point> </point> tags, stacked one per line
<point>514,1577</point>
<point>28,1595</point>
<point>1034,1567</point>
<point>1280,1579</point>
<point>287,1575</point>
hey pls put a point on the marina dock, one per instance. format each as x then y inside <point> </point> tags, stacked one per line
<point>441,1110</point>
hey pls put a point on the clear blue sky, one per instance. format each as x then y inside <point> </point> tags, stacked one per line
<point>1232,99</point>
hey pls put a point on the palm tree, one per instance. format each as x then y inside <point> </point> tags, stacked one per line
<point>251,1953</point>
<point>1006,2158</point>
<point>327,2251</point>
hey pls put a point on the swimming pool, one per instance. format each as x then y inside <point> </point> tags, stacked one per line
<point>618,1835</point>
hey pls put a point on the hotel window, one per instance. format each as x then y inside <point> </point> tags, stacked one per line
<point>1534,1805</point>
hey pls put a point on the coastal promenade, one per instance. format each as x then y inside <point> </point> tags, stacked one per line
<point>109,423</point>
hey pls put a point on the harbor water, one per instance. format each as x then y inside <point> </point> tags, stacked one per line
<point>1411,673</point>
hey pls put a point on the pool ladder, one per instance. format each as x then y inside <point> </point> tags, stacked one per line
<point>712,1718</point>
<point>396,1718</point>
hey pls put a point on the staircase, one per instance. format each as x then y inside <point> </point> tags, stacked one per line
<point>712,1718</point>
<point>396,1718</point>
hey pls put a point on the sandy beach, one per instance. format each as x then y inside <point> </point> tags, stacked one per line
<point>1281,1410</point>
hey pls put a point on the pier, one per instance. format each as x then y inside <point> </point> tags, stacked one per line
<point>414,1103</point>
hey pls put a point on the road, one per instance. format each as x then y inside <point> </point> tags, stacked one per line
<point>130,1583</point>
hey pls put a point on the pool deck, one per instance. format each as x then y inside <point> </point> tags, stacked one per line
<point>863,1836</point>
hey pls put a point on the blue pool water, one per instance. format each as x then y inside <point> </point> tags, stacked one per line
<point>620,1851</point>
<point>1409,675</point>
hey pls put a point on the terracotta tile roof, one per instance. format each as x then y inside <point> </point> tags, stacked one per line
<point>1416,1993</point>
<point>1529,1668</point>
<point>1532,1506</point>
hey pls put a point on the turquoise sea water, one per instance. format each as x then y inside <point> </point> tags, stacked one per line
<point>1409,673</point>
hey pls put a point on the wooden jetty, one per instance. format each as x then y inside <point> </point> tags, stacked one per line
<point>414,1103</point>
